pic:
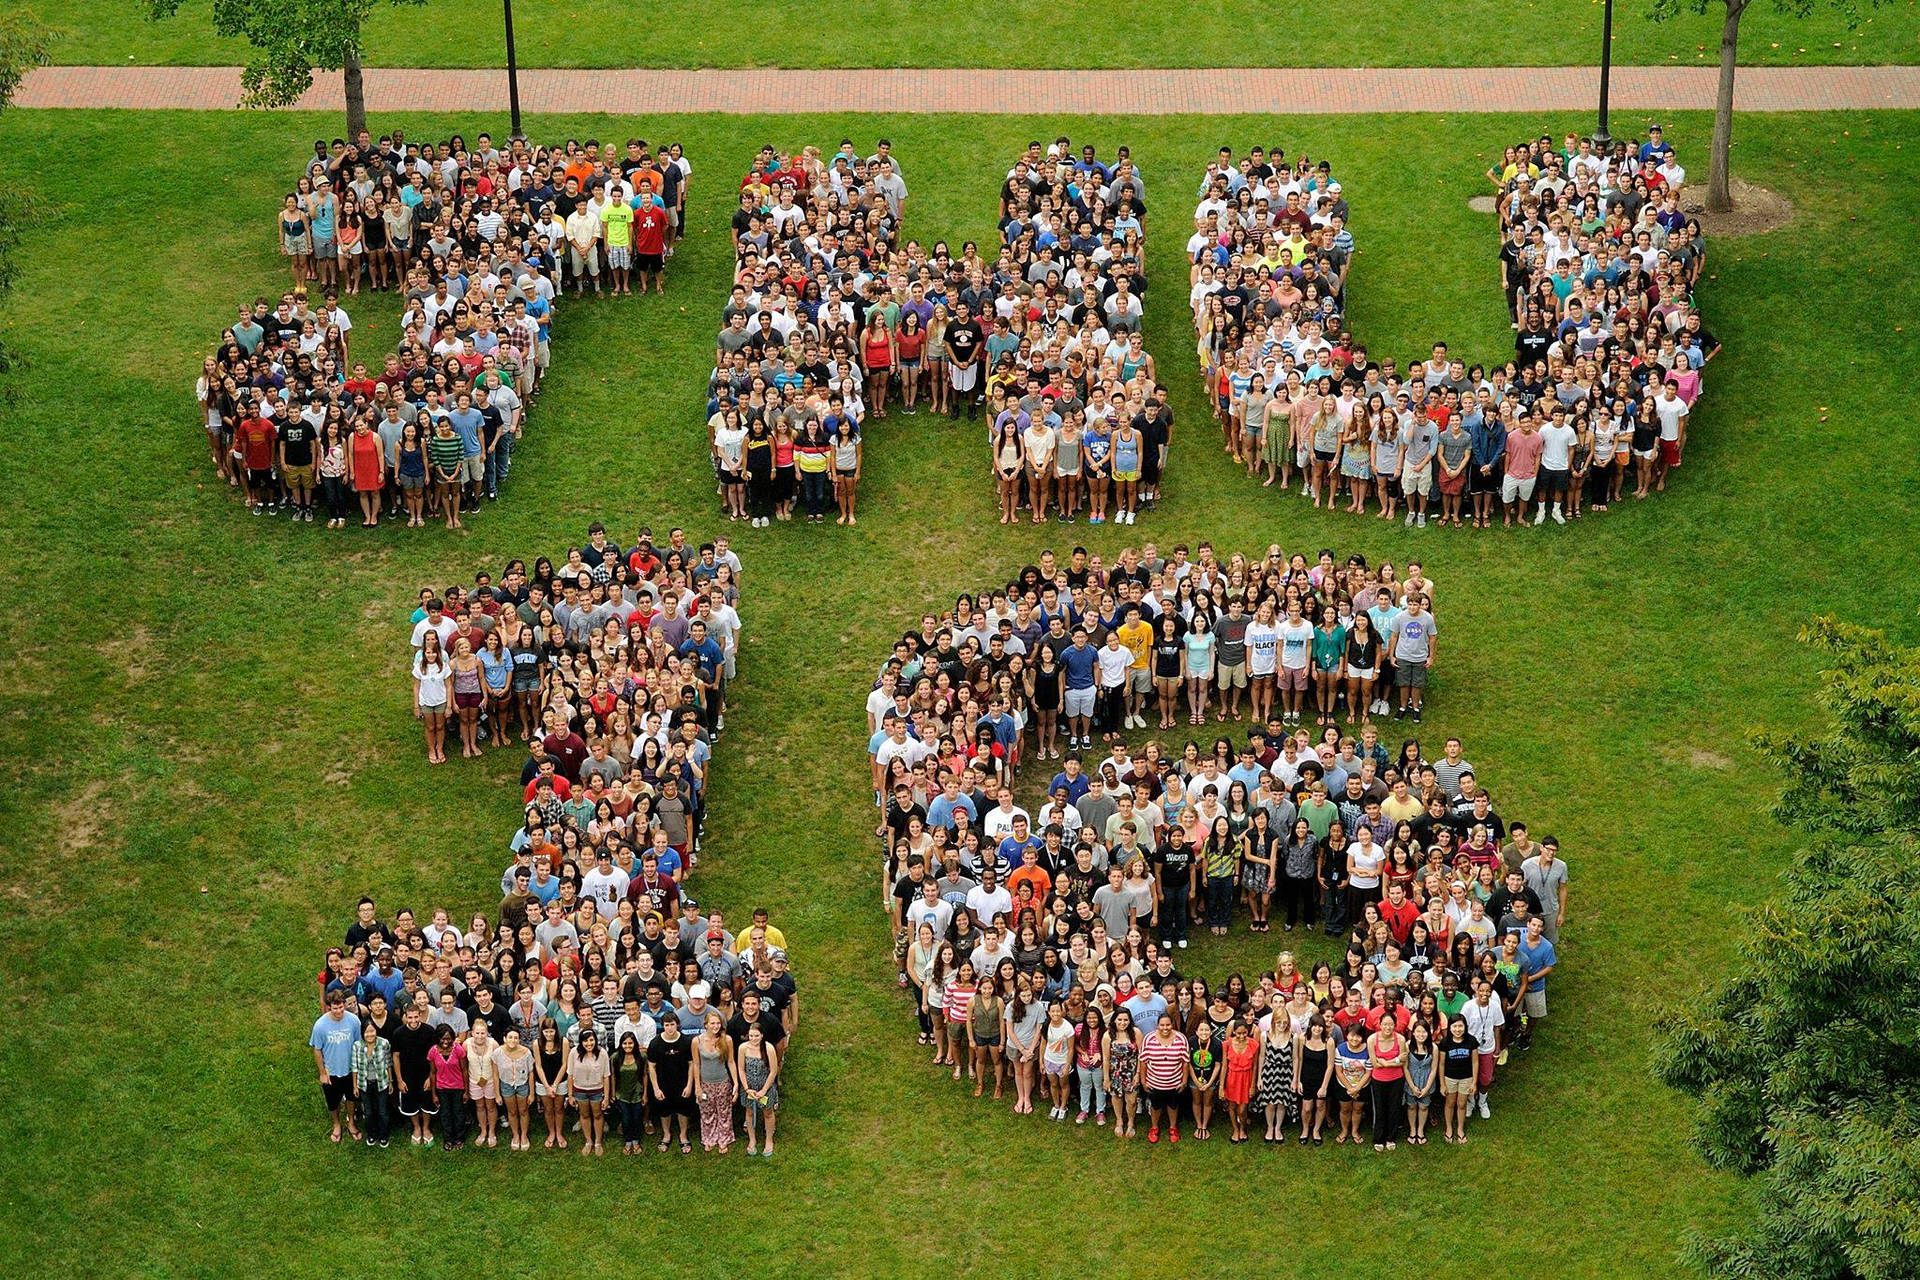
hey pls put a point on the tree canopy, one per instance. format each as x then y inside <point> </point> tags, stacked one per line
<point>1805,1057</point>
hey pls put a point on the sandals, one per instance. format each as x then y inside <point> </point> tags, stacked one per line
<point>686,1148</point>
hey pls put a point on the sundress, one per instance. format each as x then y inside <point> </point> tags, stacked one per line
<point>1123,1066</point>
<point>1274,1087</point>
<point>755,1071</point>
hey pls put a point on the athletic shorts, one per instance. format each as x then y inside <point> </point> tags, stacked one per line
<point>1293,677</point>
<point>1536,1002</point>
<point>336,1090</point>
<point>1553,482</point>
<point>1514,489</point>
<point>1168,1098</point>
<point>1410,675</point>
<point>1230,675</point>
<point>1670,453</point>
<point>963,379</point>
<point>1077,702</point>
<point>650,261</point>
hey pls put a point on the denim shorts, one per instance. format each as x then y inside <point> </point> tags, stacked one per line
<point>515,1090</point>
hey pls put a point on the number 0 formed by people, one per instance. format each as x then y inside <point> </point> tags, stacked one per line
<point>1598,263</point>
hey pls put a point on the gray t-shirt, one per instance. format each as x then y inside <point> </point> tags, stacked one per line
<point>1545,883</point>
<point>1231,634</point>
<point>1114,905</point>
<point>1413,636</point>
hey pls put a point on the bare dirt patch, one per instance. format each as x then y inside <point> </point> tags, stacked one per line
<point>133,651</point>
<point>79,819</point>
<point>1756,210</point>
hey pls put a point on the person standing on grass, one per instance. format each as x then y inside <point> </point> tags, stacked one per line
<point>432,675</point>
<point>373,1082</point>
<point>1166,1066</point>
<point>334,1035</point>
<point>446,456</point>
<point>757,1063</point>
<point>1411,650</point>
<point>513,1067</point>
<point>448,1060</point>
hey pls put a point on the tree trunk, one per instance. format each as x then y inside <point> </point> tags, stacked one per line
<point>356,94</point>
<point>1719,176</point>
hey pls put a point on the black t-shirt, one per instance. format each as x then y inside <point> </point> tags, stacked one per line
<point>1174,863</point>
<point>963,340</point>
<point>410,1045</point>
<point>296,437</point>
<point>906,891</point>
<point>670,1060</point>
<point>1531,346</point>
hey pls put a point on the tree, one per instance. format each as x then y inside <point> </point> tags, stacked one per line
<point>291,40</point>
<point>23,46</point>
<point>1719,175</point>
<point>1805,1056</point>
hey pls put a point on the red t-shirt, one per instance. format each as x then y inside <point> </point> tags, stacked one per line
<point>1400,919</point>
<point>650,229</point>
<point>256,437</point>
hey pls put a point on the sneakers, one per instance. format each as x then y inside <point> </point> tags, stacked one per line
<point>1153,1134</point>
<point>1486,1113</point>
<point>1421,523</point>
<point>1557,517</point>
<point>1081,1118</point>
<point>1540,516</point>
<point>1409,519</point>
<point>903,981</point>
<point>1173,1134</point>
<point>1182,944</point>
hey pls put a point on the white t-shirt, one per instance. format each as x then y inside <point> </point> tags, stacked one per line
<point>1673,412</point>
<point>1263,648</point>
<point>1296,644</point>
<point>1114,661</point>
<point>445,628</point>
<point>1556,447</point>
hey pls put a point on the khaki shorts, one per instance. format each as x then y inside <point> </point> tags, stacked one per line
<point>474,470</point>
<point>1456,1088</point>
<point>1230,675</point>
<point>1418,482</point>
<point>297,477</point>
<point>1140,681</point>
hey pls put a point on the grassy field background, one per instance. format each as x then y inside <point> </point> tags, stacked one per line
<point>206,752</point>
<point>956,33</point>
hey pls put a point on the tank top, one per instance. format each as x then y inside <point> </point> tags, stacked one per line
<point>1126,452</point>
<point>879,351</point>
<point>713,1067</point>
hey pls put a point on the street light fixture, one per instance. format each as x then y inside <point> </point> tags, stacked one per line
<point>1602,140</point>
<point>513,76</point>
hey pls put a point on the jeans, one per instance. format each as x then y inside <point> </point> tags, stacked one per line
<point>1335,909</point>
<point>335,490</point>
<point>1093,1094</point>
<point>632,1119</point>
<point>453,1116</point>
<point>1219,901</point>
<point>817,488</point>
<point>375,1112</point>
<point>491,485</point>
<point>503,457</point>
<point>1175,913</point>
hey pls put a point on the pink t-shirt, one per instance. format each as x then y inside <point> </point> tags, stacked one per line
<point>1523,454</point>
<point>450,1068</point>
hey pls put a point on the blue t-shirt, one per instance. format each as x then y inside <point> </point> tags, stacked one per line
<point>1076,786</point>
<point>1079,661</point>
<point>1147,1010</point>
<point>1534,959</point>
<point>389,984</point>
<point>940,812</point>
<point>335,1040</point>
<point>466,425</point>
<point>1010,849</point>
<point>707,652</point>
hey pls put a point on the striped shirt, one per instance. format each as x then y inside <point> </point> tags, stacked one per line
<point>1165,1061</point>
<point>446,452</point>
<point>959,1002</point>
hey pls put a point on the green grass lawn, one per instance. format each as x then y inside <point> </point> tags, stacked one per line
<point>207,755</point>
<point>955,33</point>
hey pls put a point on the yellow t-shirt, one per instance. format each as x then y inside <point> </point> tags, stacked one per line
<point>1138,637</point>
<point>617,218</point>
<point>743,941</point>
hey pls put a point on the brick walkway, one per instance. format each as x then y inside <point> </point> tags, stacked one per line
<point>1148,92</point>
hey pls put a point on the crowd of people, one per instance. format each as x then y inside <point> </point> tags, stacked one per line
<point>1598,263</point>
<point>806,346</point>
<point>1080,421</point>
<point>478,244</point>
<point>1041,901</point>
<point>598,986</point>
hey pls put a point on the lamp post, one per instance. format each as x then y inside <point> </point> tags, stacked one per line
<point>513,77</point>
<point>1602,140</point>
